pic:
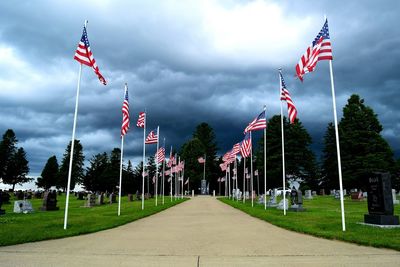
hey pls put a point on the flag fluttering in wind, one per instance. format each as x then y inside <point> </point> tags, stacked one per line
<point>320,49</point>
<point>258,123</point>
<point>187,181</point>
<point>152,138</point>
<point>285,96</point>
<point>236,149</point>
<point>222,166</point>
<point>167,172</point>
<point>201,160</point>
<point>245,146</point>
<point>125,114</point>
<point>84,55</point>
<point>160,155</point>
<point>141,119</point>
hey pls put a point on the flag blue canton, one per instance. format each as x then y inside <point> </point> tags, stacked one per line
<point>324,33</point>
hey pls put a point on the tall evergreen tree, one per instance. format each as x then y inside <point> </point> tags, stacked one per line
<point>93,178</point>
<point>49,174</point>
<point>205,134</point>
<point>191,151</point>
<point>363,149</point>
<point>17,169</point>
<point>8,147</point>
<point>299,159</point>
<point>129,183</point>
<point>77,166</point>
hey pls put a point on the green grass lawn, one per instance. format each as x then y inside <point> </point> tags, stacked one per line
<point>323,219</point>
<point>42,225</point>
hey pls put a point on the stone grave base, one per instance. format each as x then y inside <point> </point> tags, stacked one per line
<point>379,226</point>
<point>297,208</point>
<point>381,219</point>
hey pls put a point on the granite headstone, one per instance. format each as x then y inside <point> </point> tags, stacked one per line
<point>49,201</point>
<point>380,200</point>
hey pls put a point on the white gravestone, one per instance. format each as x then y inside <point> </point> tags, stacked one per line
<point>22,206</point>
<point>395,201</point>
<point>308,194</point>
<point>280,205</point>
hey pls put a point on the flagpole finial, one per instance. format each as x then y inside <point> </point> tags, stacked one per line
<point>265,107</point>
<point>325,17</point>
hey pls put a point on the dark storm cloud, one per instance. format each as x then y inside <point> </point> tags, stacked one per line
<point>185,63</point>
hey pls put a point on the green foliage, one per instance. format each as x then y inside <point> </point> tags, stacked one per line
<point>13,163</point>
<point>8,147</point>
<point>202,143</point>
<point>205,134</point>
<point>77,166</point>
<point>323,219</point>
<point>363,150</point>
<point>44,225</point>
<point>94,180</point>
<point>191,151</point>
<point>299,159</point>
<point>49,174</point>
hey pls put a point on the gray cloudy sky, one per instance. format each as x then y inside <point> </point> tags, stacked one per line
<point>187,62</point>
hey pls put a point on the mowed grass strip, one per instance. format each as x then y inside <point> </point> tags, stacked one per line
<point>323,219</point>
<point>43,225</point>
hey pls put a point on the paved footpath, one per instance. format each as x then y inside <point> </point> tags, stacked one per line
<point>198,232</point>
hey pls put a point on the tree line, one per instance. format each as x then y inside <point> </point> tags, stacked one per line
<point>363,150</point>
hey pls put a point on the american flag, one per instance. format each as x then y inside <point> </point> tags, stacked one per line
<point>84,56</point>
<point>167,172</point>
<point>222,166</point>
<point>160,155</point>
<point>201,160</point>
<point>154,179</point>
<point>236,149</point>
<point>258,123</point>
<point>245,146</point>
<point>145,173</point>
<point>187,181</point>
<point>125,113</point>
<point>286,97</point>
<point>152,138</point>
<point>141,120</point>
<point>320,49</point>
<point>171,158</point>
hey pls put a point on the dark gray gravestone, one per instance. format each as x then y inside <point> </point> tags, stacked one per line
<point>380,201</point>
<point>130,197</point>
<point>50,201</point>
<point>2,212</point>
<point>81,196</point>
<point>100,199</point>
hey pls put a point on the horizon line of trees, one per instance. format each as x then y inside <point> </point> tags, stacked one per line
<point>363,151</point>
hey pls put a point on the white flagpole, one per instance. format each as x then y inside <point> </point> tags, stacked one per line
<point>265,169</point>
<point>144,155</point>
<point>337,146</point>
<point>183,177</point>
<point>120,177</point>
<point>236,178</point>
<point>171,175</point>
<point>72,143</point>
<point>226,181</point>
<point>244,180</point>
<point>204,172</point>
<point>251,169</point>
<point>283,158</point>
<point>158,139</point>
<point>229,181</point>
<point>176,177</point>
<point>120,167</point>
<point>163,175</point>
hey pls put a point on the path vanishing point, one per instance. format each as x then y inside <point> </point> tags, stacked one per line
<point>198,232</point>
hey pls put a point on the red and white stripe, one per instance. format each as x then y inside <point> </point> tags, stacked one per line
<point>84,55</point>
<point>151,138</point>
<point>141,120</point>
<point>285,96</point>
<point>125,113</point>
<point>160,155</point>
